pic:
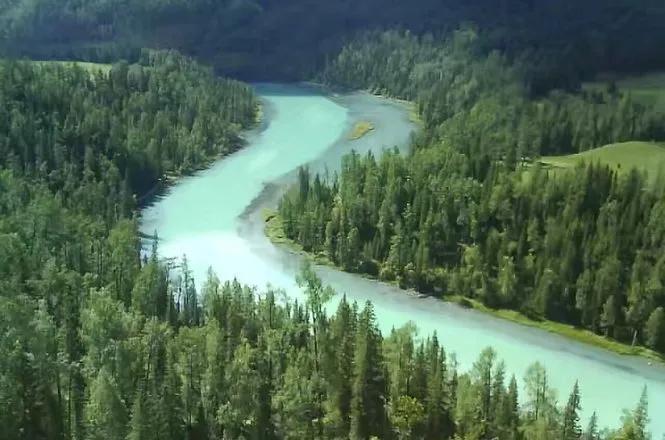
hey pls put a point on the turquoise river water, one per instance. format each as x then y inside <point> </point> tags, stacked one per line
<point>214,218</point>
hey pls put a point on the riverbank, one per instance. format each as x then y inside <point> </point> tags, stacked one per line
<point>567,330</point>
<point>215,218</point>
<point>414,116</point>
<point>170,178</point>
<point>275,233</point>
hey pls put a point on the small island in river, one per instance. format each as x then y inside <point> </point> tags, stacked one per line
<point>360,129</point>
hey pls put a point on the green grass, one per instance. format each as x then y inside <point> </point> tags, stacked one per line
<point>360,129</point>
<point>622,157</point>
<point>274,228</point>
<point>648,89</point>
<point>569,331</point>
<point>275,232</point>
<point>93,68</point>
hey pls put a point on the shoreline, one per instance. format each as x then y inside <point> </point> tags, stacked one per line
<point>333,91</point>
<point>171,178</point>
<point>463,332</point>
<point>274,232</point>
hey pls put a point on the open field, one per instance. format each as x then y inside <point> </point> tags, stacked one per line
<point>90,67</point>
<point>648,89</point>
<point>645,156</point>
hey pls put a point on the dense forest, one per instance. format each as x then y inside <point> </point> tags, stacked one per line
<point>470,212</point>
<point>99,342</point>
<point>77,148</point>
<point>290,39</point>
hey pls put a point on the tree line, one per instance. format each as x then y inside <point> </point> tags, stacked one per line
<point>583,248</point>
<point>76,149</point>
<point>98,342</point>
<point>459,88</point>
<point>471,212</point>
<point>243,364</point>
<point>291,39</point>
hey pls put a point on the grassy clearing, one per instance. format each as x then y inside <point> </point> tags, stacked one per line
<point>93,68</point>
<point>622,157</point>
<point>274,228</point>
<point>275,232</point>
<point>360,129</point>
<point>648,89</point>
<point>569,331</point>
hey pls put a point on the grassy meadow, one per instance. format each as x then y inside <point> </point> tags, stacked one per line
<point>93,68</point>
<point>648,89</point>
<point>648,157</point>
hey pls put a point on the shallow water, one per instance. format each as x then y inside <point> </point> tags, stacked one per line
<point>214,217</point>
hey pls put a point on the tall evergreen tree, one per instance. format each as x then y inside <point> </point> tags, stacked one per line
<point>570,426</point>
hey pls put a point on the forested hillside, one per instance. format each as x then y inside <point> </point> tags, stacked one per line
<point>100,343</point>
<point>470,212</point>
<point>76,149</point>
<point>268,39</point>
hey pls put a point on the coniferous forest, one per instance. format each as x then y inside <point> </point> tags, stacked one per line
<point>470,212</point>
<point>101,340</point>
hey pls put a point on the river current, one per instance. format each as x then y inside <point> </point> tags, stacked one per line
<point>215,218</point>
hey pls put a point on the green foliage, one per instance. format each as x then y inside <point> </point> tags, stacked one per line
<point>468,212</point>
<point>105,413</point>
<point>501,242</point>
<point>655,329</point>
<point>459,88</point>
<point>645,156</point>
<point>570,428</point>
<point>98,342</point>
<point>648,88</point>
<point>271,39</point>
<point>84,341</point>
<point>635,422</point>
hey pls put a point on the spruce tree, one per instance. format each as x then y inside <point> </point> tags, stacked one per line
<point>570,426</point>
<point>368,416</point>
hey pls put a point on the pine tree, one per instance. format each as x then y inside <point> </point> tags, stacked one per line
<point>105,412</point>
<point>368,400</point>
<point>295,403</point>
<point>655,330</point>
<point>570,426</point>
<point>139,424</point>
<point>317,296</point>
<point>635,423</point>
<point>509,416</point>
<point>437,401</point>
<point>591,432</point>
<point>340,376</point>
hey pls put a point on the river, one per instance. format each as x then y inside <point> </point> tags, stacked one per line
<point>215,218</point>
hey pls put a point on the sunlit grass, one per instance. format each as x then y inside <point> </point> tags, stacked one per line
<point>569,331</point>
<point>648,157</point>
<point>93,68</point>
<point>274,230</point>
<point>648,89</point>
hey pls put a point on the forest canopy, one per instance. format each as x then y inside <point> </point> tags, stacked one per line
<point>99,342</point>
<point>290,39</point>
<point>99,339</point>
<point>472,212</point>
